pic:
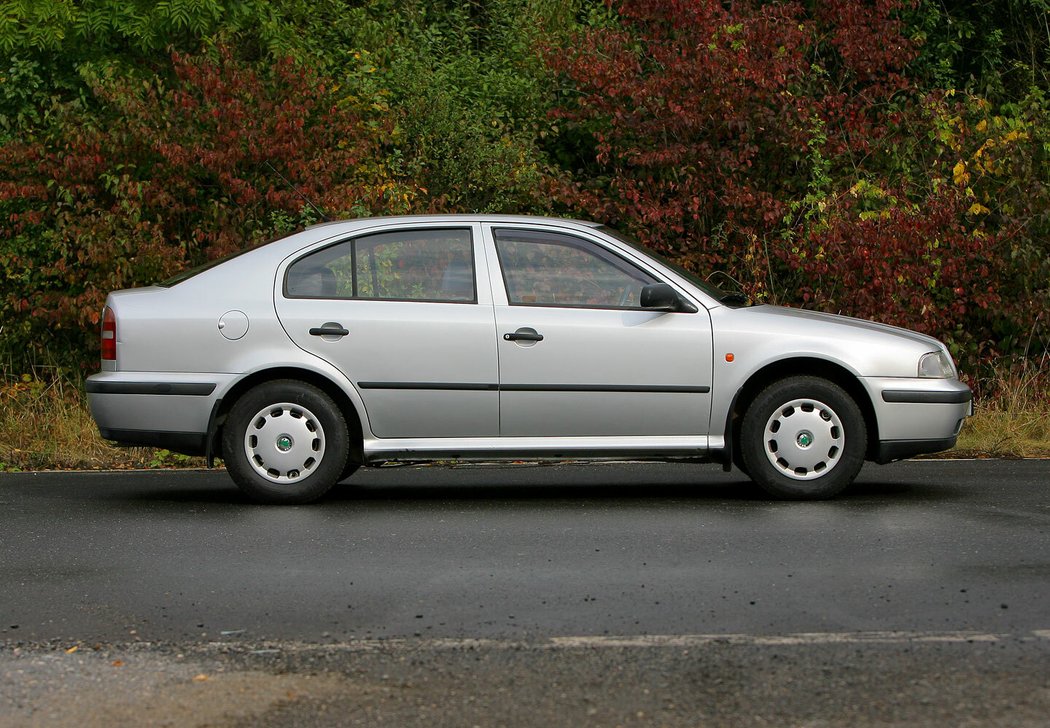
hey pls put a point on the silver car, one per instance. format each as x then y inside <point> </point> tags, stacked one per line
<point>484,337</point>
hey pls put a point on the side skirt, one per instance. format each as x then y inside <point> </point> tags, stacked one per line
<point>530,448</point>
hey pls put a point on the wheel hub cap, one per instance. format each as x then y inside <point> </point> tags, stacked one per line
<point>804,439</point>
<point>284,443</point>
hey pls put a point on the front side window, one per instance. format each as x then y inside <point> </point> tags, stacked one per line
<point>407,265</point>
<point>551,269</point>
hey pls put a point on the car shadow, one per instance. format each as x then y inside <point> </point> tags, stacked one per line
<point>737,490</point>
<point>349,494</point>
<point>453,486</point>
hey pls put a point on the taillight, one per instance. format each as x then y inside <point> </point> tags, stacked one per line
<point>109,335</point>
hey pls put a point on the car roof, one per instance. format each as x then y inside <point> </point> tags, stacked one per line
<point>283,246</point>
<point>472,217</point>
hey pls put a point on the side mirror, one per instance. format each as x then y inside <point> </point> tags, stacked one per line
<point>661,297</point>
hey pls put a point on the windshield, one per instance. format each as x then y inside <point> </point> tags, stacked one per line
<point>707,287</point>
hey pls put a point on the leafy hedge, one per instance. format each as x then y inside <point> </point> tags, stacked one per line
<point>162,176</point>
<point>886,159</point>
<point>790,147</point>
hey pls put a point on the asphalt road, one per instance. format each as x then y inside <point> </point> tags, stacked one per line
<point>513,552</point>
<point>611,594</point>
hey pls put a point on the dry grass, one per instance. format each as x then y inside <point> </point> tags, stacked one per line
<point>45,424</point>
<point>995,433</point>
<point>1012,417</point>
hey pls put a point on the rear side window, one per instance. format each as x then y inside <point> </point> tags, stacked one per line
<point>406,265</point>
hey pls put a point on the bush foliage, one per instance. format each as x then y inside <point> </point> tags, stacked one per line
<point>791,148</point>
<point>168,174</point>
<point>880,158</point>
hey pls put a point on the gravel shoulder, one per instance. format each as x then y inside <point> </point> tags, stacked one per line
<point>495,683</point>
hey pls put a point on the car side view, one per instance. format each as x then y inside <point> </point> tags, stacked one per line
<point>503,337</point>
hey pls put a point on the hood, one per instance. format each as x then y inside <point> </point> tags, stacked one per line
<point>763,334</point>
<point>802,315</point>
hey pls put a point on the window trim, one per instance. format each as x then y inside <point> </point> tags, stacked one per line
<point>353,240</point>
<point>580,243</point>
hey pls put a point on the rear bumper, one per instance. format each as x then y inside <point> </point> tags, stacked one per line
<point>155,409</point>
<point>187,443</point>
<point>163,388</point>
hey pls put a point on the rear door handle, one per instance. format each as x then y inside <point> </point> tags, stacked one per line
<point>523,335</point>
<point>329,329</point>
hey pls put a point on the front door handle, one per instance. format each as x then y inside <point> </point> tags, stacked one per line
<point>329,329</point>
<point>524,335</point>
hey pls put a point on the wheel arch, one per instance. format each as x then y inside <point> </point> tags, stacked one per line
<point>222,406</point>
<point>800,366</point>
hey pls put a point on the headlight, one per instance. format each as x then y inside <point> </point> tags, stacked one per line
<point>936,365</point>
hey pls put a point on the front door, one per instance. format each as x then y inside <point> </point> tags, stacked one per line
<point>578,356</point>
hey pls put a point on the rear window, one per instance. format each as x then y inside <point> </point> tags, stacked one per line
<point>187,274</point>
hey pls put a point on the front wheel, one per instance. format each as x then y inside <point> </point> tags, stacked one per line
<point>285,442</point>
<point>803,438</point>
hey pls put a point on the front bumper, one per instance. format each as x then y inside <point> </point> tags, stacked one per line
<point>916,416</point>
<point>890,451</point>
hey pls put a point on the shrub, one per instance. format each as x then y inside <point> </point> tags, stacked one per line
<point>787,144</point>
<point>958,245</point>
<point>469,92</point>
<point>709,119</point>
<point>171,175</point>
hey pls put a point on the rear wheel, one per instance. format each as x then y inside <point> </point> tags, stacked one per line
<point>285,442</point>
<point>803,438</point>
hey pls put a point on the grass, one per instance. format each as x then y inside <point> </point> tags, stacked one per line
<point>45,425</point>
<point>994,433</point>
<point>1013,413</point>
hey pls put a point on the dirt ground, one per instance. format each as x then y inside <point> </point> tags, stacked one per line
<point>860,682</point>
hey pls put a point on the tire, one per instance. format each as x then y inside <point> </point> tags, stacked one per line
<point>803,438</point>
<point>285,442</point>
<point>738,461</point>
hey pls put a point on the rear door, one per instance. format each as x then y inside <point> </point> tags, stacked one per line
<point>403,314</point>
<point>578,356</point>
